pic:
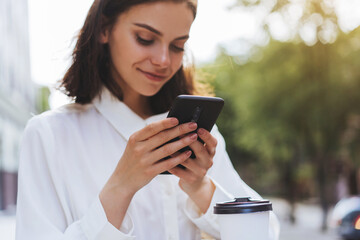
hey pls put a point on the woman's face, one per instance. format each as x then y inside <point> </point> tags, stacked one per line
<point>147,45</point>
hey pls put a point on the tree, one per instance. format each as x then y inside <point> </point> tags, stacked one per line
<point>309,21</point>
<point>289,110</point>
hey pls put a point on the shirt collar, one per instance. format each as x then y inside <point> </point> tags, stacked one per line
<point>120,116</point>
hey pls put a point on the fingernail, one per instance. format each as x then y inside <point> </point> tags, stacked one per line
<point>193,136</point>
<point>174,121</point>
<point>201,131</point>
<point>188,153</point>
<point>192,125</point>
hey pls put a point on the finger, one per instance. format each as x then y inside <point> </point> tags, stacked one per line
<point>170,134</point>
<point>203,158</point>
<point>184,174</point>
<point>194,166</point>
<point>199,150</point>
<point>175,154</point>
<point>171,148</point>
<point>209,140</point>
<point>165,165</point>
<point>154,128</point>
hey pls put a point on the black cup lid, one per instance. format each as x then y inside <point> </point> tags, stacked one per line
<point>243,205</point>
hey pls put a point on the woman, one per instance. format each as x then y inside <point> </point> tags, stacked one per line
<point>90,170</point>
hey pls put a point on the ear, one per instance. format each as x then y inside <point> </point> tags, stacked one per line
<point>104,36</point>
<point>105,30</point>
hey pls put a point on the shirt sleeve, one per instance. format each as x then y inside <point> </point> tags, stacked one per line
<point>41,213</point>
<point>228,185</point>
<point>207,222</point>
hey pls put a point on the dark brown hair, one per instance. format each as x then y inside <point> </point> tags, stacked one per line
<point>90,69</point>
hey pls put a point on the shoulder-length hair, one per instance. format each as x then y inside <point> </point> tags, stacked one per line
<point>90,69</point>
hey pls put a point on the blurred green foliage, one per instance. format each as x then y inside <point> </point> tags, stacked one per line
<point>42,102</point>
<point>286,115</point>
<point>298,15</point>
<point>291,118</point>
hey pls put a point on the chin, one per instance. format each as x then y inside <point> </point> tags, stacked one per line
<point>150,92</point>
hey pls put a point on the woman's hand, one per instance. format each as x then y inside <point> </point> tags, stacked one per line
<point>193,179</point>
<point>140,163</point>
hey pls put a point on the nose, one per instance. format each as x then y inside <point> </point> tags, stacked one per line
<point>161,57</point>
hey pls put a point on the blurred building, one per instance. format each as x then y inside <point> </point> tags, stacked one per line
<point>17,92</point>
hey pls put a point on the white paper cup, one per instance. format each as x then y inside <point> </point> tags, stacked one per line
<point>244,219</point>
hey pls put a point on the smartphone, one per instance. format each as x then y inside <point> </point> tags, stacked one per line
<point>202,110</point>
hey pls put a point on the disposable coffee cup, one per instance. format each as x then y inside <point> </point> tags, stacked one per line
<point>244,219</point>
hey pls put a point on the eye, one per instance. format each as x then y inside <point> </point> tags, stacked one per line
<point>143,41</point>
<point>176,48</point>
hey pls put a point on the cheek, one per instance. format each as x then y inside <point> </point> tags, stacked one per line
<point>177,61</point>
<point>126,50</point>
<point>118,51</point>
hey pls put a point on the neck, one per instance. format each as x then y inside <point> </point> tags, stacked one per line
<point>139,104</point>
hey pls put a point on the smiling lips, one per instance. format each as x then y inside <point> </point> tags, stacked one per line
<point>153,76</point>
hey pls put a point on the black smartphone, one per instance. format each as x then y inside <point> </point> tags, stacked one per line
<point>202,110</point>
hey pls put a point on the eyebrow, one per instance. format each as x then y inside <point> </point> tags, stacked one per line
<point>151,29</point>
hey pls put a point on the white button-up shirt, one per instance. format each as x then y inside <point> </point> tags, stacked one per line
<point>67,156</point>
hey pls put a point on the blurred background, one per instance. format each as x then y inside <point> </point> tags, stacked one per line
<point>289,71</point>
